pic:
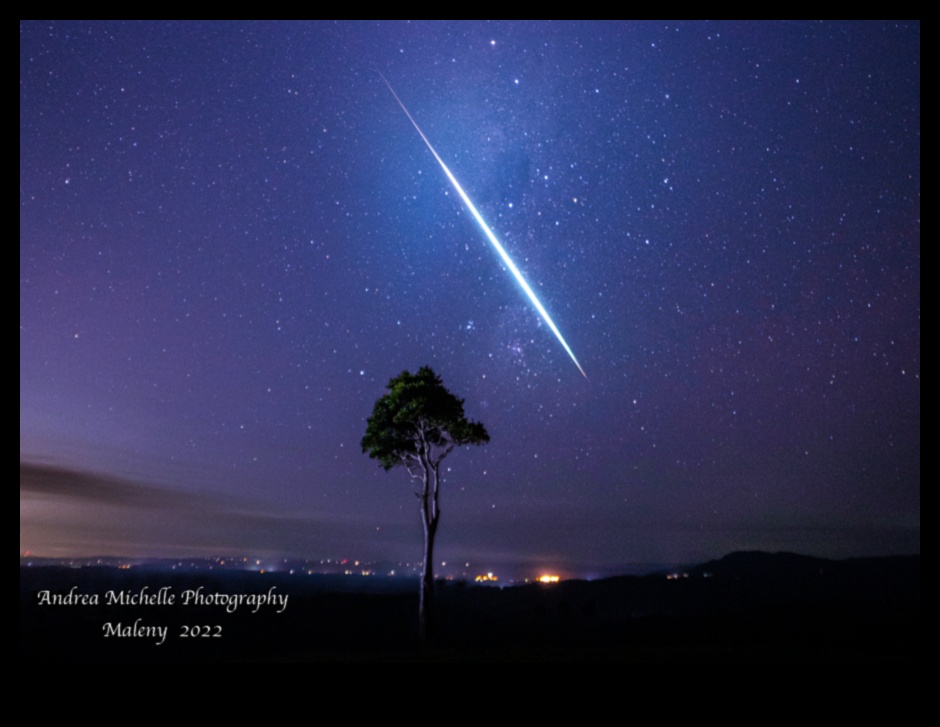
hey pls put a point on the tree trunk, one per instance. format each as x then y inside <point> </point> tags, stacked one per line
<point>430,512</point>
<point>426,601</point>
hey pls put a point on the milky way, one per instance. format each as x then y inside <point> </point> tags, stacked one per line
<point>491,236</point>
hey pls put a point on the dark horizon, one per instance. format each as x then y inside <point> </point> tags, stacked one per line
<point>358,574</point>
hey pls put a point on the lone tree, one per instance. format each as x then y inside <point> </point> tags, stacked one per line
<point>415,425</point>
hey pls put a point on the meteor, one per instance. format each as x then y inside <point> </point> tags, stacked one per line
<point>490,236</point>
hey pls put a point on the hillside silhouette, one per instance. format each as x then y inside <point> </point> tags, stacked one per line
<point>747,606</point>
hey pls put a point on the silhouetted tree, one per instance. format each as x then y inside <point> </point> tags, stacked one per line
<point>415,425</point>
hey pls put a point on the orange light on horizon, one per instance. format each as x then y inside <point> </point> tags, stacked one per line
<point>547,578</point>
<point>487,577</point>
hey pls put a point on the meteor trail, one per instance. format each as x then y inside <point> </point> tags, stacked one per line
<point>490,236</point>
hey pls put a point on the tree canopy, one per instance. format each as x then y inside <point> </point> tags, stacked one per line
<point>418,418</point>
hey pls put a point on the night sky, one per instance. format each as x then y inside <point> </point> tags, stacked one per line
<point>232,237</point>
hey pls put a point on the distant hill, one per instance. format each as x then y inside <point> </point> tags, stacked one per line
<point>759,564</point>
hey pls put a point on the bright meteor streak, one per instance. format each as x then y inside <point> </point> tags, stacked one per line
<point>490,236</point>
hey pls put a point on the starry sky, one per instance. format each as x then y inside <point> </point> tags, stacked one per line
<point>232,237</point>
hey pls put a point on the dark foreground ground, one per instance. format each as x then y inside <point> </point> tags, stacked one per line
<point>746,607</point>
